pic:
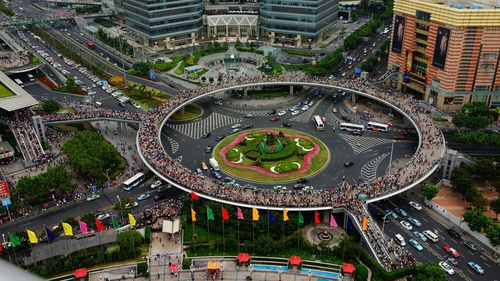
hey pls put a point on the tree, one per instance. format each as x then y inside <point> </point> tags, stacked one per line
<point>495,206</point>
<point>485,169</point>
<point>70,84</point>
<point>123,207</point>
<point>497,188</point>
<point>50,106</point>
<point>477,220</point>
<point>480,203</point>
<point>129,242</point>
<point>429,191</point>
<point>474,115</point>
<point>141,68</point>
<point>429,272</point>
<point>493,234</point>
<point>462,183</point>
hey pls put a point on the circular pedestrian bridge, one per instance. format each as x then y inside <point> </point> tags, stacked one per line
<point>422,164</point>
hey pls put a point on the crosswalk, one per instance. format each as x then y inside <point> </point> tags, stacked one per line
<point>174,145</point>
<point>197,129</point>
<point>331,118</point>
<point>369,170</point>
<point>254,113</point>
<point>360,144</point>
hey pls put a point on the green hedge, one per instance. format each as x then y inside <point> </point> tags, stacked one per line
<point>233,154</point>
<point>288,151</point>
<point>477,137</point>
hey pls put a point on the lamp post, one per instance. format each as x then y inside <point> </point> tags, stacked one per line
<point>257,41</point>
<point>390,159</point>
<point>120,201</point>
<point>383,221</point>
<point>123,62</point>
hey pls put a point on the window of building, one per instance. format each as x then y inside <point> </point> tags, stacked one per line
<point>482,88</point>
<point>423,16</point>
<point>489,56</point>
<point>487,66</point>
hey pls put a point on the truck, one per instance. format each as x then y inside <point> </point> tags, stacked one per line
<point>214,164</point>
<point>90,45</point>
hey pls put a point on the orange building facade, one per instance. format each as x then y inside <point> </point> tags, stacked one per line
<point>447,52</point>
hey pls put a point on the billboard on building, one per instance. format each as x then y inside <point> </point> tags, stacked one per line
<point>441,47</point>
<point>398,34</point>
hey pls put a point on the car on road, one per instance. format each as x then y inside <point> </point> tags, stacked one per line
<point>281,112</point>
<point>287,124</point>
<point>199,172</point>
<point>451,251</point>
<point>402,212</point>
<point>248,126</point>
<point>275,118</point>
<point>446,267</point>
<point>471,246</point>
<point>235,130</point>
<point>308,188</point>
<point>299,186</point>
<point>476,267</point>
<point>248,115</point>
<point>415,244</point>
<point>451,260</point>
<point>392,214</point>
<point>279,187</point>
<point>229,180</point>
<point>218,102</point>
<point>420,235</point>
<point>414,221</point>
<point>143,196</point>
<point>206,135</point>
<point>92,197</point>
<point>209,148</point>
<point>348,164</point>
<point>131,205</point>
<point>416,206</point>
<point>103,216</point>
<point>295,112</point>
<point>204,165</point>
<point>221,137</point>
<point>305,107</point>
<point>406,225</point>
<point>399,137</point>
<point>216,175</point>
<point>453,233</point>
<point>357,133</point>
<point>237,125</point>
<point>156,184</point>
<point>160,196</point>
<point>272,112</point>
<point>302,180</point>
<point>334,110</point>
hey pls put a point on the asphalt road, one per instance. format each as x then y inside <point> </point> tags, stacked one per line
<point>433,252</point>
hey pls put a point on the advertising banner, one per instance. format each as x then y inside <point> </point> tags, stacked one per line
<point>4,189</point>
<point>398,34</point>
<point>441,48</point>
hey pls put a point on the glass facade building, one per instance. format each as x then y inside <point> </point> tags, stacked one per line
<point>159,19</point>
<point>307,18</point>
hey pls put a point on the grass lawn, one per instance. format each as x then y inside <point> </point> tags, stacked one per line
<point>5,92</point>
<point>191,112</point>
<point>303,53</point>
<point>275,69</point>
<point>180,69</point>
<point>264,94</point>
<point>71,128</point>
<point>147,98</point>
<point>201,232</point>
<point>196,75</point>
<point>318,162</point>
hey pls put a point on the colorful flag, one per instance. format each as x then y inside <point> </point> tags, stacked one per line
<point>301,218</point>
<point>68,230</point>
<point>83,227</point>
<point>132,220</point>
<point>194,196</point>
<point>1,248</point>
<point>14,239</point>
<point>240,214</point>
<point>255,214</point>
<point>50,234</point>
<point>32,236</point>
<point>193,215</point>
<point>365,224</point>
<point>316,218</point>
<point>100,226</point>
<point>210,214</point>
<point>285,214</point>
<point>225,214</point>
<point>333,223</point>
<point>270,217</point>
<point>116,223</point>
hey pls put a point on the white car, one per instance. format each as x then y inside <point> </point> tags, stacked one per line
<point>406,225</point>
<point>416,206</point>
<point>281,113</point>
<point>156,184</point>
<point>334,110</point>
<point>295,112</point>
<point>103,216</point>
<point>305,107</point>
<point>447,267</point>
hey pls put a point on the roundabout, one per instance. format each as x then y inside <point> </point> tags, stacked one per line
<point>271,155</point>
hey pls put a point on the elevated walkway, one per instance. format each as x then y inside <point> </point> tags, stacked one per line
<point>75,2</point>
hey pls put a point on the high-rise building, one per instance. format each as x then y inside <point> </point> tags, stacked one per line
<point>165,23</point>
<point>447,51</point>
<point>296,23</point>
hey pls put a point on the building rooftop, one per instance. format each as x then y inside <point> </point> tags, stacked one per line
<point>21,99</point>
<point>468,4</point>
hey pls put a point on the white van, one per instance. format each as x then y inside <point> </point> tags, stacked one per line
<point>400,240</point>
<point>98,103</point>
<point>431,235</point>
<point>214,164</point>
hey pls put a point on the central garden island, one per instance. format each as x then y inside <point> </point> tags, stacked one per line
<point>273,155</point>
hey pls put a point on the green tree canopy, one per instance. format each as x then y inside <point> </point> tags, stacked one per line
<point>474,115</point>
<point>493,234</point>
<point>129,241</point>
<point>477,220</point>
<point>141,68</point>
<point>462,183</point>
<point>50,106</point>
<point>480,203</point>
<point>429,272</point>
<point>495,206</point>
<point>429,191</point>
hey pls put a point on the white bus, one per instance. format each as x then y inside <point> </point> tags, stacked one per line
<point>19,82</point>
<point>374,126</point>
<point>320,126</point>
<point>350,127</point>
<point>429,234</point>
<point>133,181</point>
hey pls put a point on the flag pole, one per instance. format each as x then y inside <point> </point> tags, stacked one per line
<point>48,240</point>
<point>253,235</point>
<point>192,231</point>
<point>283,234</point>
<point>298,229</point>
<point>223,234</point>
<point>268,228</point>
<point>14,250</point>
<point>208,229</point>
<point>238,224</point>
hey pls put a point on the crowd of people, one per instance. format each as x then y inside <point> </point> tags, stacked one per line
<point>92,111</point>
<point>426,157</point>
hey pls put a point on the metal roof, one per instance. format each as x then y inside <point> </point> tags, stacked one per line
<point>21,98</point>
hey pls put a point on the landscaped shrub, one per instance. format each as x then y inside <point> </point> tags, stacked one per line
<point>305,143</point>
<point>286,166</point>
<point>252,154</point>
<point>233,154</point>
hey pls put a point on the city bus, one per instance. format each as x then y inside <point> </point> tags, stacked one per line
<point>350,127</point>
<point>374,126</point>
<point>133,181</point>
<point>320,126</point>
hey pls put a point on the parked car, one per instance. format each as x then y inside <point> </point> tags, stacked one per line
<point>299,186</point>
<point>143,196</point>
<point>302,180</point>
<point>218,138</point>
<point>281,112</point>
<point>295,112</point>
<point>237,125</point>
<point>402,212</point>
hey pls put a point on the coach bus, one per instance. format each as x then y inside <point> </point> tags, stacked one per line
<point>320,126</point>
<point>350,127</point>
<point>374,126</point>
<point>133,181</point>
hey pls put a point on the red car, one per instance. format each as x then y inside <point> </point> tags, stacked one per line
<point>451,251</point>
<point>399,137</point>
<point>275,118</point>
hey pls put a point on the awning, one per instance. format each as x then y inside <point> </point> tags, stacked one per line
<point>174,267</point>
<point>295,260</point>
<point>243,257</point>
<point>213,265</point>
<point>80,273</point>
<point>348,268</point>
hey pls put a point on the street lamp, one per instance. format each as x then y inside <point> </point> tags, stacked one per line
<point>390,159</point>
<point>383,221</point>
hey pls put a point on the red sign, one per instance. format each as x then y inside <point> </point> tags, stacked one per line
<point>4,189</point>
